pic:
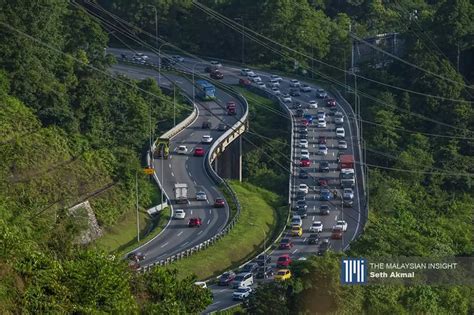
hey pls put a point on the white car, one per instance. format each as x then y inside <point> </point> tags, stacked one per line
<point>304,188</point>
<point>313,104</point>
<point>250,73</point>
<point>286,98</point>
<point>305,88</point>
<point>321,114</point>
<point>341,224</point>
<point>322,149</point>
<point>242,293</point>
<point>342,145</point>
<point>179,214</point>
<point>296,221</point>
<point>182,149</point>
<point>206,139</point>
<point>304,143</point>
<point>201,196</point>
<point>294,83</point>
<point>244,71</point>
<point>304,153</point>
<point>138,59</point>
<point>178,58</point>
<point>348,193</point>
<point>321,123</point>
<point>255,78</point>
<point>276,91</point>
<point>216,63</point>
<point>340,132</point>
<point>274,82</point>
<point>260,84</point>
<point>143,56</point>
<point>201,284</point>
<point>321,93</point>
<point>316,226</point>
<point>338,118</point>
<point>276,77</point>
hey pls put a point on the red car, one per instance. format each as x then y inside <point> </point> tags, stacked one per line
<point>305,162</point>
<point>331,102</point>
<point>283,261</point>
<point>195,222</point>
<point>216,74</point>
<point>304,122</point>
<point>285,244</point>
<point>336,234</point>
<point>230,104</point>
<point>322,140</point>
<point>198,151</point>
<point>244,82</point>
<point>323,182</point>
<point>219,203</point>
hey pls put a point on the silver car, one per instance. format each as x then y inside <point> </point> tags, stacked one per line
<point>201,195</point>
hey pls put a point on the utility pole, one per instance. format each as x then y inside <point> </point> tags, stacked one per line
<point>174,103</point>
<point>138,217</point>
<point>241,19</point>
<point>156,22</point>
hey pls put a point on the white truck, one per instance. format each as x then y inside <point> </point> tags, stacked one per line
<point>181,193</point>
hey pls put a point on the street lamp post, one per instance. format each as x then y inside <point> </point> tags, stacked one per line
<point>159,63</point>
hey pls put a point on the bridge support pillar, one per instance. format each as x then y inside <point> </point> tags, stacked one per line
<point>229,164</point>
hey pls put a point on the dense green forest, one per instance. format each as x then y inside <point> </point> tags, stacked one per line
<point>69,133</point>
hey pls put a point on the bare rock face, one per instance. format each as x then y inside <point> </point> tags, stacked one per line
<point>91,230</point>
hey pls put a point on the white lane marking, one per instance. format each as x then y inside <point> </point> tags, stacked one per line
<point>191,212</point>
<point>199,232</point>
<point>210,211</point>
<point>313,217</point>
<point>171,158</point>
<point>335,218</point>
<point>189,174</point>
<point>187,158</point>
<point>191,133</point>
<point>194,182</point>
<point>169,165</point>
<point>172,174</point>
<point>164,245</point>
<point>334,154</point>
<point>179,234</point>
<point>217,301</point>
<point>295,251</point>
<point>220,292</point>
<point>304,240</point>
<point>207,201</point>
<point>208,221</point>
<point>186,166</point>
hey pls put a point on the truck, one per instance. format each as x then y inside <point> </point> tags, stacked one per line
<point>346,161</point>
<point>161,149</point>
<point>347,177</point>
<point>231,108</point>
<point>181,193</point>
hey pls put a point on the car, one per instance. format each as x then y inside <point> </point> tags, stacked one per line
<point>295,92</point>
<point>303,130</point>
<point>336,233</point>
<point>250,267</point>
<point>304,153</point>
<point>341,224</point>
<point>338,118</point>
<point>177,58</point>
<point>254,78</point>
<point>321,93</point>
<point>219,203</point>
<point>250,73</point>
<point>342,145</point>
<point>322,181</point>
<point>300,195</point>
<point>167,63</point>
<point>303,187</point>
<point>136,256</point>
<point>321,114</point>
<point>309,118</point>
<point>264,272</point>
<point>301,204</point>
<point>244,72</point>
<point>206,139</point>
<point>303,143</point>
<point>340,132</point>
<point>314,238</point>
<point>274,82</point>
<point>195,222</point>
<point>302,211</point>
<point>216,63</point>
<point>216,74</point>
<point>297,105</point>
<point>322,140</point>
<point>139,60</point>
<point>263,259</point>
<point>283,261</point>
<point>142,55</point>
<point>348,193</point>
<point>305,88</point>
<point>261,85</point>
<point>201,195</point>
<point>324,247</point>
<point>294,83</point>
<point>296,231</point>
<point>210,68</point>
<point>198,151</point>
<point>226,278</point>
<point>206,124</point>
<point>303,174</point>
<point>276,91</point>
<point>324,210</point>
<point>276,77</point>
<point>242,293</point>
<point>324,168</point>
<point>304,122</point>
<point>321,123</point>
<point>222,127</point>
<point>179,214</point>
<point>299,112</point>
<point>296,221</point>
<point>244,82</point>
<point>285,244</point>
<point>305,162</point>
<point>326,194</point>
<point>331,103</point>
<point>312,104</point>
<point>201,284</point>
<point>286,98</point>
<point>316,226</point>
<point>322,149</point>
<point>182,149</point>
<point>282,275</point>
<point>243,280</point>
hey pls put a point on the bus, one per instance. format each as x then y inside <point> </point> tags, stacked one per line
<point>205,90</point>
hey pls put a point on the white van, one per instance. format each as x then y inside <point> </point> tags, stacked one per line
<point>243,280</point>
